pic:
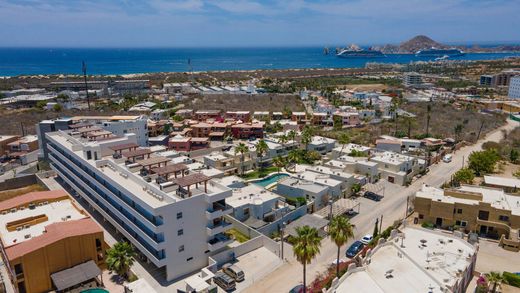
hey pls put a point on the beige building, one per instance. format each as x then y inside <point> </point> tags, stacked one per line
<point>487,211</point>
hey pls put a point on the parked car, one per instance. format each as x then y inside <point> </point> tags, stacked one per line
<point>366,239</point>
<point>224,281</point>
<point>297,289</point>
<point>373,196</point>
<point>234,272</point>
<point>354,249</point>
<point>447,158</point>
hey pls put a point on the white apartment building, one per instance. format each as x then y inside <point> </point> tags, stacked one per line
<point>514,87</point>
<point>275,149</point>
<point>321,144</point>
<point>357,165</point>
<point>296,187</point>
<point>172,215</point>
<point>397,168</point>
<point>334,186</point>
<point>412,79</point>
<point>347,179</point>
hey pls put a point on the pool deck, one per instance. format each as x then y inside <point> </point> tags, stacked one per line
<point>271,185</point>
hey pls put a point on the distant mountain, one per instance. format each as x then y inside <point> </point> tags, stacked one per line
<point>419,43</point>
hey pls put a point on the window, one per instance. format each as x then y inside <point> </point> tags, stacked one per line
<point>181,248</point>
<point>459,211</point>
<point>189,259</point>
<point>483,215</point>
<point>18,269</point>
<point>180,232</point>
<point>461,223</point>
<point>179,215</point>
<point>246,212</point>
<point>421,216</point>
<point>503,218</point>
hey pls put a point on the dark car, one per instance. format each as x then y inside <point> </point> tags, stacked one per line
<point>373,196</point>
<point>354,249</point>
<point>297,289</point>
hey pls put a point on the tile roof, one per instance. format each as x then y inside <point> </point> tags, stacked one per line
<point>32,197</point>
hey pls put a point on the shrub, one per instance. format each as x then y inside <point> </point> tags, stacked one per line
<point>483,162</point>
<point>427,225</point>
<point>512,279</point>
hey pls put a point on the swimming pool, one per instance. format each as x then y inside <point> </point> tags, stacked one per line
<point>270,179</point>
<point>95,290</point>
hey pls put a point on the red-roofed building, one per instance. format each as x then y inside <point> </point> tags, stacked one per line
<point>43,233</point>
<point>248,130</point>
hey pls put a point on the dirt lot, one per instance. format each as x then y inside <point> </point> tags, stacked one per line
<point>268,102</point>
<point>367,87</point>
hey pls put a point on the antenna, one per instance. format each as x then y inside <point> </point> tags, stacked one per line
<point>84,69</point>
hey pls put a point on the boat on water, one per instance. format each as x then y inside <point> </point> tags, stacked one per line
<point>442,58</point>
<point>434,52</point>
<point>356,52</point>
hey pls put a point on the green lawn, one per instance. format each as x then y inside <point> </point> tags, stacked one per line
<point>260,173</point>
<point>240,237</point>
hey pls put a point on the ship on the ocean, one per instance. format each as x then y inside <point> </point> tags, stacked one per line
<point>434,52</point>
<point>354,51</point>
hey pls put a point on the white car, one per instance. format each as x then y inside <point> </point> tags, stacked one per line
<point>366,239</point>
<point>447,158</point>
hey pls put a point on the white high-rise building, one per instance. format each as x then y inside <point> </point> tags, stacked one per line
<point>514,87</point>
<point>173,216</point>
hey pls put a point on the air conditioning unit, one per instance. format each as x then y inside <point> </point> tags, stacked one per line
<point>13,210</point>
<point>27,236</point>
<point>26,226</point>
<point>19,228</point>
<point>4,212</point>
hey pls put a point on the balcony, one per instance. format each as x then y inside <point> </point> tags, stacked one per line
<point>218,242</point>
<point>217,211</point>
<point>218,228</point>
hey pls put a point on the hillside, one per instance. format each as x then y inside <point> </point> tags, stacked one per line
<point>418,43</point>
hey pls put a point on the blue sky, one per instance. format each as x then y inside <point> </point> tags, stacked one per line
<point>208,23</point>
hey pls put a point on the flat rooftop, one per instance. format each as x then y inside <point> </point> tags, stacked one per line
<point>391,158</point>
<point>250,194</point>
<point>302,184</point>
<point>316,177</point>
<point>52,212</point>
<point>330,171</point>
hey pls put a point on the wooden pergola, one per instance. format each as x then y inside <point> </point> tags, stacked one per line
<point>99,134</point>
<point>80,125</point>
<point>154,161</point>
<point>193,179</point>
<point>136,153</point>
<point>122,147</point>
<point>170,169</point>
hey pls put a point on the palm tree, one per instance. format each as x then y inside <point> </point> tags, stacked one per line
<point>497,279</point>
<point>306,137</point>
<point>279,162</point>
<point>120,258</point>
<point>293,157</point>
<point>343,139</point>
<point>242,149</point>
<point>291,135</point>
<point>306,246</point>
<point>261,150</point>
<point>340,231</point>
<point>283,139</point>
<point>409,121</point>
<point>458,131</point>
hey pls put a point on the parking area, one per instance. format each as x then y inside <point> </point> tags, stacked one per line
<point>256,264</point>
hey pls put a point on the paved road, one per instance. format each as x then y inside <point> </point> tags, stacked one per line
<point>392,207</point>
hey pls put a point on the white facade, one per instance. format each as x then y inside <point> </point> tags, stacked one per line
<point>321,144</point>
<point>397,168</point>
<point>514,87</point>
<point>296,187</point>
<point>173,228</point>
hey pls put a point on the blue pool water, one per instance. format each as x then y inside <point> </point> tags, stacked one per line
<point>16,61</point>
<point>95,290</point>
<point>270,179</point>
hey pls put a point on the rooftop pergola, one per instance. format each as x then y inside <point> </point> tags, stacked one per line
<point>133,154</point>
<point>126,146</point>
<point>170,169</point>
<point>98,134</point>
<point>83,130</point>
<point>154,161</point>
<point>193,179</point>
<point>80,125</point>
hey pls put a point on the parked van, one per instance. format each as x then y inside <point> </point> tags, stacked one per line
<point>234,272</point>
<point>224,281</point>
<point>447,158</point>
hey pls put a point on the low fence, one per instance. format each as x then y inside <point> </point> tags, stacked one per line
<point>18,182</point>
<point>289,217</point>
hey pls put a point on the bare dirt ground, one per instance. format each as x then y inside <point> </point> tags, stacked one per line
<point>267,102</point>
<point>367,87</point>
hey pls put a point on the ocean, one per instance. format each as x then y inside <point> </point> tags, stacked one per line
<point>32,61</point>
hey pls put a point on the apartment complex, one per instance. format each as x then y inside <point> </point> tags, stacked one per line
<point>174,218</point>
<point>116,125</point>
<point>514,87</point>
<point>412,260</point>
<point>484,210</point>
<point>43,235</point>
<point>397,168</point>
<point>412,79</point>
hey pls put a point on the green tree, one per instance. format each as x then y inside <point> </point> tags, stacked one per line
<point>120,258</point>
<point>376,228</point>
<point>497,279</point>
<point>63,97</point>
<point>261,150</point>
<point>340,231</point>
<point>513,155</point>
<point>312,156</point>
<point>241,149</point>
<point>356,187</point>
<point>343,139</point>
<point>458,131</point>
<point>306,247</point>
<point>306,137</point>
<point>428,110</point>
<point>57,107</point>
<point>293,157</point>
<point>283,139</point>
<point>279,163</point>
<point>337,123</point>
<point>464,175</point>
<point>483,162</point>
<point>291,135</point>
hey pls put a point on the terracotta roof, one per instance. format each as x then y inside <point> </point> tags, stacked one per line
<point>32,197</point>
<point>54,232</point>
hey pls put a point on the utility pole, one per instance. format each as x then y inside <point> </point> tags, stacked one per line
<point>480,130</point>
<point>381,224</point>
<point>84,69</point>
<point>406,211</point>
